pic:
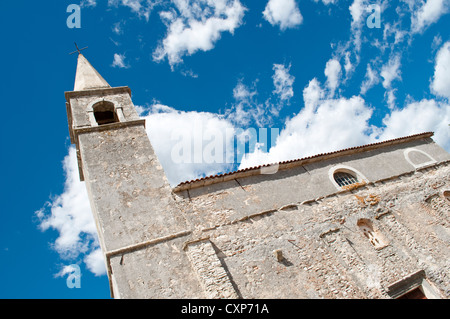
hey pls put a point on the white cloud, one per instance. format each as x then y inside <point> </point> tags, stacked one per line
<point>246,108</point>
<point>189,73</point>
<point>370,80</point>
<point>172,131</point>
<point>327,2</point>
<point>88,3</point>
<point>134,5</point>
<point>284,13</point>
<point>437,41</point>
<point>325,125</point>
<point>118,27</point>
<point>348,63</point>
<point>242,92</point>
<point>142,8</point>
<point>418,117</point>
<point>283,82</point>
<point>441,80</point>
<point>119,61</point>
<point>428,13</point>
<point>95,262</point>
<point>66,270</point>
<point>391,71</point>
<point>333,74</point>
<point>390,98</point>
<point>197,25</point>
<point>350,50</point>
<point>357,11</point>
<point>393,35</point>
<point>322,125</point>
<point>313,94</point>
<point>70,215</point>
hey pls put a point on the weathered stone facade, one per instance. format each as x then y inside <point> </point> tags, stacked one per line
<point>325,253</point>
<point>292,232</point>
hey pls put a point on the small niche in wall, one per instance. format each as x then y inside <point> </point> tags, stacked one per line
<point>447,195</point>
<point>372,234</point>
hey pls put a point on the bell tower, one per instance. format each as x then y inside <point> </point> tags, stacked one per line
<point>131,199</point>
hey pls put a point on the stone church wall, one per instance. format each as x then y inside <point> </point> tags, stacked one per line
<point>240,197</point>
<point>294,235</point>
<point>317,249</point>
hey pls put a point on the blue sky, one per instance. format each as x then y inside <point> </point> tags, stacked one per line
<point>313,69</point>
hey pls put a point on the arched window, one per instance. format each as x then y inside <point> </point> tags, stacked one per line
<point>344,178</point>
<point>418,158</point>
<point>105,113</point>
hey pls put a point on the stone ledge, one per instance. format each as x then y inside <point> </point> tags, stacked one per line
<point>104,127</point>
<point>145,244</point>
<point>99,91</point>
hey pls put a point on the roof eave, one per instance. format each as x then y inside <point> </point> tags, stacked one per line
<point>257,170</point>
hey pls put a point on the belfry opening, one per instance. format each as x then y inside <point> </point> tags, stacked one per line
<point>104,113</point>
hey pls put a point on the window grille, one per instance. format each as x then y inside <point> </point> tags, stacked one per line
<point>344,179</point>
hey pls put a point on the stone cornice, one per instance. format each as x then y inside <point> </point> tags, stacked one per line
<point>101,91</point>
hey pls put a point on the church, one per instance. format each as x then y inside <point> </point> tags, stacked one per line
<point>365,222</point>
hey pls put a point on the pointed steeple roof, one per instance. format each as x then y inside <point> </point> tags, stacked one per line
<point>87,77</point>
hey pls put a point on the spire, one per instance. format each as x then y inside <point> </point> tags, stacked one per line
<point>87,77</point>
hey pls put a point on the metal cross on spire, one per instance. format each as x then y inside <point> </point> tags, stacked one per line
<point>78,50</point>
